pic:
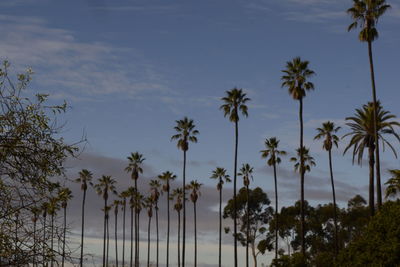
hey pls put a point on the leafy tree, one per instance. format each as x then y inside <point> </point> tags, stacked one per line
<point>271,153</point>
<point>362,137</point>
<point>365,14</point>
<point>295,78</point>
<point>220,174</point>
<point>235,101</point>
<point>260,214</point>
<point>186,133</point>
<point>393,184</point>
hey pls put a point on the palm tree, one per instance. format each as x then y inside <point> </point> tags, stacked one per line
<point>186,133</point>
<point>271,153</point>
<point>295,79</point>
<point>247,172</point>
<point>116,204</point>
<point>328,133</point>
<point>105,186</point>
<point>149,204</point>
<point>107,211</point>
<point>131,193</point>
<point>53,207</point>
<point>362,136</point>
<point>123,196</point>
<point>139,204</point>
<point>220,174</point>
<point>135,168</point>
<point>65,195</point>
<point>177,194</point>
<point>365,14</point>
<point>235,101</point>
<point>393,184</point>
<point>194,195</point>
<point>155,187</point>
<point>44,208</point>
<point>35,212</point>
<point>166,177</point>
<point>85,179</point>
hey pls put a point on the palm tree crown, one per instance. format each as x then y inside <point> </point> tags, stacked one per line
<point>328,131</point>
<point>195,187</point>
<point>365,14</point>
<point>308,159</point>
<point>134,167</point>
<point>186,132</point>
<point>166,177</point>
<point>271,152</point>
<point>220,174</point>
<point>85,178</point>
<point>105,185</point>
<point>247,172</point>
<point>295,78</point>
<point>234,101</point>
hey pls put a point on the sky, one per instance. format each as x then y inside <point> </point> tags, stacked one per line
<point>129,69</point>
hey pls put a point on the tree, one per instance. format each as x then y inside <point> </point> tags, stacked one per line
<point>362,137</point>
<point>365,14</point>
<point>260,214</point>
<point>186,133</point>
<point>247,172</point>
<point>393,184</point>
<point>123,196</point>
<point>295,79</point>
<point>85,179</point>
<point>116,204</point>
<point>328,132</point>
<point>65,195</point>
<point>271,153</point>
<point>166,177</point>
<point>220,174</point>
<point>104,187</point>
<point>177,194</point>
<point>139,204</point>
<point>155,187</point>
<point>135,168</point>
<point>131,191</point>
<point>149,204</point>
<point>194,196</point>
<point>235,101</point>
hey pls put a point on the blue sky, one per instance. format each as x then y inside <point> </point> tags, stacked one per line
<point>129,69</point>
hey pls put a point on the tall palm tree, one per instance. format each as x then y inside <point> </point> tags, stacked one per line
<point>220,174</point>
<point>365,14</point>
<point>139,204</point>
<point>362,136</point>
<point>271,153</point>
<point>149,204</point>
<point>116,204</point>
<point>104,187</point>
<point>393,184</point>
<point>235,101</point>
<point>107,211</point>
<point>328,133</point>
<point>155,187</point>
<point>135,168</point>
<point>131,193</point>
<point>247,172</point>
<point>65,195</point>
<point>194,196</point>
<point>123,196</point>
<point>35,212</point>
<point>85,179</point>
<point>53,207</point>
<point>186,133</point>
<point>44,208</point>
<point>166,177</point>
<point>177,194</point>
<point>295,79</point>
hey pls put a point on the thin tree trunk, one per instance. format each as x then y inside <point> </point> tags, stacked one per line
<point>220,224</point>
<point>168,223</point>
<point>378,171</point>
<point>104,236</point>
<point>116,239</point>
<point>234,195</point>
<point>302,230</point>
<point>136,226</point>
<point>52,241</point>
<point>195,235</point>
<point>138,238</point>
<point>253,250</point>
<point>123,235</point>
<point>157,232</point>
<point>334,203</point>
<point>83,227</point>
<point>371,181</point>
<point>34,242</point>
<point>179,239</point>
<point>148,242</point>
<point>108,239</point>
<point>276,210</point>
<point>65,227</point>
<point>184,209</point>
<point>44,240</point>
<point>131,262</point>
<point>247,226</point>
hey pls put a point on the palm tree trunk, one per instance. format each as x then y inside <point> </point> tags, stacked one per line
<point>108,239</point>
<point>34,243</point>
<point>105,234</point>
<point>378,171</point>
<point>179,239</point>
<point>220,225</point>
<point>195,235</point>
<point>184,209</point>
<point>371,181</point>
<point>116,239</point>
<point>168,224</point>
<point>148,242</point>
<point>136,227</point>
<point>83,227</point>
<point>52,241</point>
<point>137,241</point>
<point>123,235</point>
<point>44,241</point>
<point>334,203</point>
<point>131,262</point>
<point>157,232</point>
<point>303,249</point>
<point>247,226</point>
<point>276,211</point>
<point>234,195</point>
<point>64,231</point>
